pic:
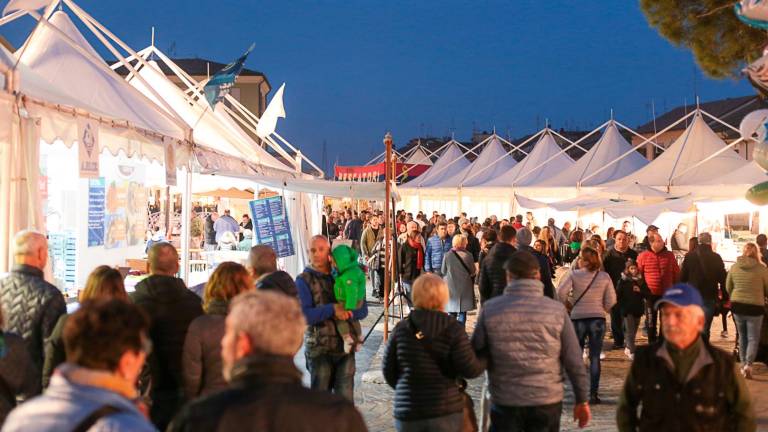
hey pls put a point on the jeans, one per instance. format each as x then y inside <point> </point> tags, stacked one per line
<point>461,317</point>
<point>709,314</point>
<point>631,323</point>
<point>408,289</point>
<point>333,373</point>
<point>749,328</point>
<point>542,418</point>
<point>447,423</point>
<point>617,326</point>
<point>594,330</point>
<point>377,282</point>
<point>651,318</point>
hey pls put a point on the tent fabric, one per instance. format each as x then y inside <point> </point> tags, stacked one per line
<point>526,173</point>
<point>493,161</point>
<point>450,161</point>
<point>81,78</point>
<point>648,214</point>
<point>636,191</point>
<point>418,157</point>
<point>530,204</point>
<point>610,146</point>
<point>674,167</point>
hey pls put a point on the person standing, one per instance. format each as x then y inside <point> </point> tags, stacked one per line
<point>371,245</point>
<point>31,305</point>
<point>196,230</point>
<point>263,333</point>
<point>630,293</point>
<point>354,229</point>
<point>459,270</point>
<point>329,366</point>
<point>762,244</point>
<point>492,279</point>
<point>437,246</point>
<point>262,263</point>
<point>747,287</point>
<point>226,223</point>
<point>590,294</point>
<point>528,340</point>
<point>684,383</point>
<point>423,371</point>
<point>210,243</point>
<point>660,271</point>
<point>411,257</point>
<point>245,224</point>
<point>704,269</point>
<point>171,307</point>
<point>524,237</point>
<point>473,244</point>
<point>615,262</point>
<point>680,240</point>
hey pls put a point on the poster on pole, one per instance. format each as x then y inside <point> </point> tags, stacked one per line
<point>88,147</point>
<point>96,196</point>
<point>170,162</point>
<point>271,226</point>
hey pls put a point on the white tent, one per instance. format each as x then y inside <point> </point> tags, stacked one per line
<point>494,161</point>
<point>545,159</point>
<point>418,157</point>
<point>610,146</point>
<point>450,161</point>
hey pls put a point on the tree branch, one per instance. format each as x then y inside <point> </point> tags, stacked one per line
<point>714,11</point>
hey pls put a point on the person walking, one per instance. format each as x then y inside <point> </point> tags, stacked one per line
<point>371,245</point>
<point>31,306</point>
<point>682,382</point>
<point>263,333</point>
<point>630,293</point>
<point>411,257</point>
<point>437,247</point>
<point>354,229</point>
<point>524,237</point>
<point>747,286</point>
<point>762,244</point>
<point>659,269</point>
<point>226,224</point>
<point>492,278</point>
<point>425,356</point>
<point>614,263</point>
<point>103,282</point>
<point>473,244</point>
<point>589,294</point>
<point>459,270</point>
<point>210,244</point>
<point>201,358</point>
<point>330,367</point>
<point>528,340</point>
<point>704,269</point>
<point>171,307</point>
<point>107,344</point>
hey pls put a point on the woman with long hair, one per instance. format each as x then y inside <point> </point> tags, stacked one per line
<point>747,286</point>
<point>201,358</point>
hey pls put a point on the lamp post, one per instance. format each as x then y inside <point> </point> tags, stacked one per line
<point>389,262</point>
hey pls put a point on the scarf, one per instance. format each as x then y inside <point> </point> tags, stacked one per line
<point>414,243</point>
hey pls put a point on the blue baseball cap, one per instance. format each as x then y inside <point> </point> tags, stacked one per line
<point>682,295</point>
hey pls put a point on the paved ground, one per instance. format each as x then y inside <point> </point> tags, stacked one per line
<point>373,397</point>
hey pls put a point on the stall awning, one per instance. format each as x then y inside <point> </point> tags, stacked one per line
<point>377,172</point>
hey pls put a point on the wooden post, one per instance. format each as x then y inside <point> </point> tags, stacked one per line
<point>387,232</point>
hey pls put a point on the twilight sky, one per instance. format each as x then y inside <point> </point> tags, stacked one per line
<point>355,69</point>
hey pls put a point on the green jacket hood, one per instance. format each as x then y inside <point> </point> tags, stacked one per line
<point>345,257</point>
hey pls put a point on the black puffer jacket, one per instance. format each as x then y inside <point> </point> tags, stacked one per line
<point>17,373</point>
<point>266,395</point>
<point>493,277</point>
<point>422,389</point>
<point>31,308</point>
<point>202,352</point>
<point>278,281</point>
<point>171,308</point>
<point>705,270</point>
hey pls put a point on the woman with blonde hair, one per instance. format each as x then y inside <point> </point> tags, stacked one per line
<point>747,286</point>
<point>201,358</point>
<point>459,273</point>
<point>103,282</point>
<point>426,354</point>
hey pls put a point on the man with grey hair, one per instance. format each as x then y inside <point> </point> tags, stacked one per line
<point>704,269</point>
<point>263,333</point>
<point>31,306</point>
<point>682,382</point>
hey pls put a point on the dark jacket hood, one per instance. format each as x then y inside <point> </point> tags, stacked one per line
<point>278,281</point>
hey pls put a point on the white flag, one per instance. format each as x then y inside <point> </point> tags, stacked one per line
<point>27,5</point>
<point>268,120</point>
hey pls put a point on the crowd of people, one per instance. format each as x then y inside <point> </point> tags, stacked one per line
<point>167,357</point>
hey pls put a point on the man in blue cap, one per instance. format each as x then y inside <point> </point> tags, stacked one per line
<point>682,382</point>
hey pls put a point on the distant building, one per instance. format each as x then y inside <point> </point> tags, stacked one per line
<point>730,110</point>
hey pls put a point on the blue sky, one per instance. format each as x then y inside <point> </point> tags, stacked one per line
<point>355,69</point>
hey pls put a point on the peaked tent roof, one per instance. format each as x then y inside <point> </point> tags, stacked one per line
<point>610,146</point>
<point>86,78</point>
<point>675,166</point>
<point>451,160</point>
<point>521,175</point>
<point>492,162</point>
<point>418,157</point>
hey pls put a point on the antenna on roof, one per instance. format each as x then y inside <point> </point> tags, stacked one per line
<point>494,129</point>
<point>152,42</point>
<point>208,70</point>
<point>611,114</point>
<point>453,135</point>
<point>697,102</point>
<point>546,123</point>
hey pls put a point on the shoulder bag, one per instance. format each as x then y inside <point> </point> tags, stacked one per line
<point>463,264</point>
<point>568,306</point>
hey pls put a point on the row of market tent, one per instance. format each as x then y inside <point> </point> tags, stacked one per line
<point>56,81</point>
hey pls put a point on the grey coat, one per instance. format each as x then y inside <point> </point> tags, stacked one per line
<point>461,289</point>
<point>528,340</point>
<point>201,358</point>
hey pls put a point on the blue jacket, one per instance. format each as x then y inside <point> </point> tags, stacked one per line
<point>436,250</point>
<point>316,314</point>
<point>65,404</point>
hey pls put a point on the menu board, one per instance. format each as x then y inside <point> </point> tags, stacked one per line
<point>271,226</point>
<point>96,212</point>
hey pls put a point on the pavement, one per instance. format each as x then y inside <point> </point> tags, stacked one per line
<point>374,398</point>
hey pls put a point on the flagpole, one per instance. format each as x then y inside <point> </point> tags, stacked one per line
<point>389,262</point>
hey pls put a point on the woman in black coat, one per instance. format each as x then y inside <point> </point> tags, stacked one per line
<point>424,371</point>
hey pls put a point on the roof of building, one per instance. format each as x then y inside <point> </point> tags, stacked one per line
<point>196,67</point>
<point>729,110</point>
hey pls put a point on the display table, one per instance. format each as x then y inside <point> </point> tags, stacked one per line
<point>138,264</point>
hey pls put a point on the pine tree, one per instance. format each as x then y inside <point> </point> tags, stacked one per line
<point>720,43</point>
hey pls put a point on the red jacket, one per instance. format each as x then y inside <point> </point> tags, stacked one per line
<point>660,270</point>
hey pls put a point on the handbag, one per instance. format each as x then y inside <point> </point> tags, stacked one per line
<point>469,423</point>
<point>463,264</point>
<point>568,306</point>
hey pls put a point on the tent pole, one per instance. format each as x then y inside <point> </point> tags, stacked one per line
<point>186,210</point>
<point>389,262</point>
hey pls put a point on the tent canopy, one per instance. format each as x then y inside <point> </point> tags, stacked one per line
<point>418,157</point>
<point>526,173</point>
<point>492,162</point>
<point>450,161</point>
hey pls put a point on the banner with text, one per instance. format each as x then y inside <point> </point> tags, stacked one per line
<point>88,147</point>
<point>271,226</point>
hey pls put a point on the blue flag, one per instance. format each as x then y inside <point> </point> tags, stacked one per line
<point>222,81</point>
